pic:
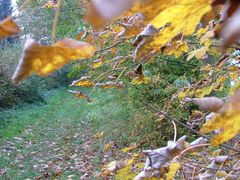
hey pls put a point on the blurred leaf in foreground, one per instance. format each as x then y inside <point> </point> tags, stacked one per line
<point>8,28</point>
<point>228,122</point>
<point>44,60</point>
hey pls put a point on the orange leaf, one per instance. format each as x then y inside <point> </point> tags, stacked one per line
<point>80,94</point>
<point>8,28</point>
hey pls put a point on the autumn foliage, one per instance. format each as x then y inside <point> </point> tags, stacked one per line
<point>193,28</point>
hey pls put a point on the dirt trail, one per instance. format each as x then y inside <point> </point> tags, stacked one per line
<point>58,144</point>
<point>51,152</point>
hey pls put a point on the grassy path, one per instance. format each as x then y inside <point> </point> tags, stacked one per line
<point>56,140</point>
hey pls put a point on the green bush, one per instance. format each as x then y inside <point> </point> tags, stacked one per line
<point>167,77</point>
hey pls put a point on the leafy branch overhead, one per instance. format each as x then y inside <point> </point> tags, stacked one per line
<point>125,39</point>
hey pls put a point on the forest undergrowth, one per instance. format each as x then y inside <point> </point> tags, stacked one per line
<point>63,138</point>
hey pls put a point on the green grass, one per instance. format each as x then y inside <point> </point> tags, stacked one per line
<point>47,126</point>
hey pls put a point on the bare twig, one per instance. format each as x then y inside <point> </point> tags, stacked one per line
<point>175,131</point>
<point>56,18</point>
<point>120,75</point>
<point>187,127</point>
<point>192,147</point>
<point>110,47</point>
<point>190,164</point>
<point>217,45</point>
<point>24,5</point>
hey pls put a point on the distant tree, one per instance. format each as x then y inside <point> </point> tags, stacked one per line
<point>5,8</point>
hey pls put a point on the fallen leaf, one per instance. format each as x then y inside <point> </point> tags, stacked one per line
<point>112,166</point>
<point>172,170</point>
<point>127,149</point>
<point>99,134</point>
<point>107,147</point>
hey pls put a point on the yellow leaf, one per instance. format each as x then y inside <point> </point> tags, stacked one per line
<point>233,68</point>
<point>83,81</point>
<point>176,48</point>
<point>50,4</point>
<point>204,91</point>
<point>206,39</point>
<point>127,149</point>
<point>106,147</point>
<point>141,80</point>
<point>234,75</point>
<point>228,123</point>
<point>125,173</point>
<point>130,161</point>
<point>99,134</point>
<point>235,87</point>
<point>216,153</point>
<point>97,63</point>
<point>183,16</point>
<point>172,171</point>
<point>219,84</point>
<point>43,60</point>
<point>221,174</point>
<point>8,28</point>
<point>207,68</point>
<point>182,95</point>
<point>80,94</point>
<point>198,53</point>
<point>196,113</point>
<point>201,31</point>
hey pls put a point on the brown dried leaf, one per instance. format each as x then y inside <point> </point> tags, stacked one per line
<point>212,104</point>
<point>231,31</point>
<point>228,122</point>
<point>133,26</point>
<point>80,94</point>
<point>106,10</point>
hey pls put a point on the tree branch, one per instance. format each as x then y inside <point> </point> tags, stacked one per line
<point>110,47</point>
<point>187,127</point>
